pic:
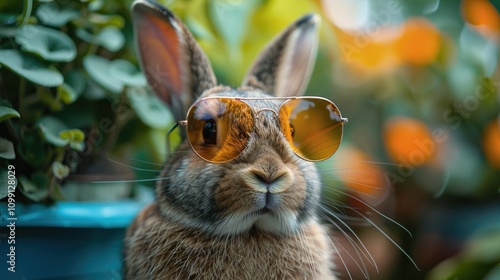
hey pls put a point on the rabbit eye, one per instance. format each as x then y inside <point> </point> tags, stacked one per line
<point>210,132</point>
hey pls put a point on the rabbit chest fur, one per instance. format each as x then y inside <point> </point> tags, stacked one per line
<point>163,249</point>
<point>206,222</point>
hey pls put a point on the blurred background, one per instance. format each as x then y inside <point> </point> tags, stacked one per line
<point>417,175</point>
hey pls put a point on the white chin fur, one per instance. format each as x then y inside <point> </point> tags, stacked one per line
<point>279,223</point>
<point>283,223</point>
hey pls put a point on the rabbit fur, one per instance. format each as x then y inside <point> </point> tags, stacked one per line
<point>207,221</point>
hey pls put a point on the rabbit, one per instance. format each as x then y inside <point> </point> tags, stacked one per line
<point>203,223</point>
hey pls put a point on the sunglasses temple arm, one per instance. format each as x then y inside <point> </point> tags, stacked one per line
<point>168,135</point>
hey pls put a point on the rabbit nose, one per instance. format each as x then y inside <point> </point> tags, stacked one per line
<point>269,182</point>
<point>266,178</point>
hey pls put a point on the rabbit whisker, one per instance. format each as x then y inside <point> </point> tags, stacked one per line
<point>131,181</point>
<point>334,246</point>
<point>370,162</point>
<point>374,210</point>
<point>355,245</point>
<point>146,162</point>
<point>359,192</point>
<point>368,185</point>
<point>377,227</point>
<point>390,239</point>
<point>133,167</point>
<point>362,267</point>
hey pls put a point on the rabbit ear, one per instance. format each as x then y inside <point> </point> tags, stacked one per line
<point>174,64</point>
<point>284,67</point>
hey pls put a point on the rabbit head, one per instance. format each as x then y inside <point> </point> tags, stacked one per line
<point>267,187</point>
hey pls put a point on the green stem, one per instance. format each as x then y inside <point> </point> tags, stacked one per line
<point>92,49</point>
<point>27,9</point>
<point>22,91</point>
<point>119,121</point>
<point>12,131</point>
<point>53,180</point>
<point>60,156</point>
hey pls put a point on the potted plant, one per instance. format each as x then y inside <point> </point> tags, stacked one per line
<point>74,112</point>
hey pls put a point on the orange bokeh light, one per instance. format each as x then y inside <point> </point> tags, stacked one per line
<point>416,42</point>
<point>483,15</point>
<point>420,42</point>
<point>362,175</point>
<point>364,51</point>
<point>491,143</point>
<point>408,141</point>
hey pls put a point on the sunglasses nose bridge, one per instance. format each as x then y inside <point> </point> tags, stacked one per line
<point>266,110</point>
<point>265,119</point>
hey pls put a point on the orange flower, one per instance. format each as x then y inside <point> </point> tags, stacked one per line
<point>491,143</point>
<point>408,141</point>
<point>420,42</point>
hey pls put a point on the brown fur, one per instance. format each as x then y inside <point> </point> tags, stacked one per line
<point>253,217</point>
<point>161,249</point>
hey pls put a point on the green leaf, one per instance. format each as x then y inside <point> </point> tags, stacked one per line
<point>494,273</point>
<point>95,5</point>
<point>479,49</point>
<point>5,103</point>
<point>66,93</point>
<point>36,188</point>
<point>7,113</point>
<point>109,37</point>
<point>50,44</point>
<point>75,138</point>
<point>94,91</point>
<point>485,246</point>
<point>51,128</point>
<point>127,73</point>
<point>30,68</point>
<point>199,28</point>
<point>52,15</point>
<point>231,18</point>
<point>102,21</point>
<point>149,109</point>
<point>8,32</point>
<point>57,134</point>
<point>422,7</point>
<point>74,135</point>
<point>6,149</point>
<point>33,149</point>
<point>86,36</point>
<point>73,87</point>
<point>76,80</point>
<point>99,70</point>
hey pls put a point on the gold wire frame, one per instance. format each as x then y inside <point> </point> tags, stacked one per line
<point>184,122</point>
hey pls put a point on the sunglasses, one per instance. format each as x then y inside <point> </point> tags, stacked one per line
<point>218,128</point>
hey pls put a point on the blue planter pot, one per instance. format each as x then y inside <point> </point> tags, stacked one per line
<point>68,240</point>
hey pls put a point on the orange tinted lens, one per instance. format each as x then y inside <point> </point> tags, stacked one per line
<point>218,128</point>
<point>312,126</point>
